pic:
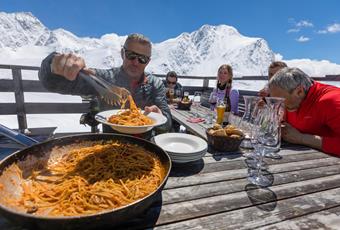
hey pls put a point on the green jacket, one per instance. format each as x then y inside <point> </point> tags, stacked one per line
<point>147,93</point>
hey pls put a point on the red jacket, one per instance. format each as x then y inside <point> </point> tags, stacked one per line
<point>319,114</point>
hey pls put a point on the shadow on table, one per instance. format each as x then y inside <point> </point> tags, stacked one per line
<point>218,155</point>
<point>186,169</point>
<point>263,198</point>
<point>148,219</point>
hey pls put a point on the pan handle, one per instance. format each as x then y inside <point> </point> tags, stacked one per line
<point>17,137</point>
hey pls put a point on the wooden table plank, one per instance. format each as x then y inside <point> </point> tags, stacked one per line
<point>228,174</point>
<point>327,219</point>
<point>241,200</point>
<point>252,217</point>
<point>236,185</point>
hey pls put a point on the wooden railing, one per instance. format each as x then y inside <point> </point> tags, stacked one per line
<point>21,108</point>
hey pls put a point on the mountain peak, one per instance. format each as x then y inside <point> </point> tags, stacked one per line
<point>19,29</point>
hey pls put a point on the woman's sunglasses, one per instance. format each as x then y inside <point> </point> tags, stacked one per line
<point>142,59</point>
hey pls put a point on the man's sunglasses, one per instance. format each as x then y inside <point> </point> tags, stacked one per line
<point>142,59</point>
<point>171,83</point>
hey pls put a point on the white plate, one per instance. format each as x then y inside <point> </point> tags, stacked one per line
<point>181,143</point>
<point>158,119</point>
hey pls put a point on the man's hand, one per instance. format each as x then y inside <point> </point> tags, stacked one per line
<point>153,108</point>
<point>291,134</point>
<point>264,92</point>
<point>68,66</point>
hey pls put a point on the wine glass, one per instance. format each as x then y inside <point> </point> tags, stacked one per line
<point>195,103</point>
<point>264,141</point>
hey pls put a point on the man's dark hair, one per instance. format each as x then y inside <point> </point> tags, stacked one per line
<point>171,74</point>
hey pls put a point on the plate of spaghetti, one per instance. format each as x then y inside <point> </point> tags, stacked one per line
<point>131,120</point>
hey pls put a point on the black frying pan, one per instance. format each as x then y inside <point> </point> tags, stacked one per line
<point>107,218</point>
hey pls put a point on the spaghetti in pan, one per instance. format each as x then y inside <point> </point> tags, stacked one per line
<point>85,178</point>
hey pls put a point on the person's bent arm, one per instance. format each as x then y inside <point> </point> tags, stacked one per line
<point>234,96</point>
<point>292,135</point>
<point>60,84</point>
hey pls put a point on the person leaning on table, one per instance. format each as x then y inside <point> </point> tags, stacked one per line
<point>59,73</point>
<point>312,110</point>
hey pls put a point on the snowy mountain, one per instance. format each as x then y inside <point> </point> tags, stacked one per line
<point>24,40</point>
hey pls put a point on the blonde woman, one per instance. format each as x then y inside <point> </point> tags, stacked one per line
<point>224,88</point>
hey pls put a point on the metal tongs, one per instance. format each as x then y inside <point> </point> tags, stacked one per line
<point>111,94</point>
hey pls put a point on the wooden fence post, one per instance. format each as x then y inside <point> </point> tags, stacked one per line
<point>19,98</point>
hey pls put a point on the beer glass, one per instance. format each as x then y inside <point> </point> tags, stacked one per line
<point>220,109</point>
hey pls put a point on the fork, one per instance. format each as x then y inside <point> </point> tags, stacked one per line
<point>111,94</point>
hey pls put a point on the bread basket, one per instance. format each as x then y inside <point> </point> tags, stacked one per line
<point>224,143</point>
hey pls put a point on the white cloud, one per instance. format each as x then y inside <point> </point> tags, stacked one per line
<point>303,39</point>
<point>334,28</point>
<point>304,23</point>
<point>297,26</point>
<point>294,30</point>
<point>322,32</point>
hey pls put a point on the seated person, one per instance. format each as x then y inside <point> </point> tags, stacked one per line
<point>224,89</point>
<point>312,110</point>
<point>272,69</point>
<point>171,84</point>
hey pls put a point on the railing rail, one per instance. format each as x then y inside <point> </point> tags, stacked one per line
<point>21,108</point>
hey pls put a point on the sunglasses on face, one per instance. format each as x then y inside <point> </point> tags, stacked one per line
<point>130,55</point>
<point>171,83</point>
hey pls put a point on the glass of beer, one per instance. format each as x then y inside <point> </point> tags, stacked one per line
<point>171,95</point>
<point>220,109</point>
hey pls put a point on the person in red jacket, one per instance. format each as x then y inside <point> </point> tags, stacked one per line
<point>312,110</point>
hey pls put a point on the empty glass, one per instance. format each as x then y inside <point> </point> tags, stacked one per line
<point>275,107</point>
<point>251,104</point>
<point>196,102</point>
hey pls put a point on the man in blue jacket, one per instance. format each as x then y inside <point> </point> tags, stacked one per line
<point>59,73</point>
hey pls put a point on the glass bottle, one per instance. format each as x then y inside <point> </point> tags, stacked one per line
<point>227,109</point>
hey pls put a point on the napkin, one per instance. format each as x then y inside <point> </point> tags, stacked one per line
<point>195,119</point>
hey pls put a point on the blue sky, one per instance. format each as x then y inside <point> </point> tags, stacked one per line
<point>293,28</point>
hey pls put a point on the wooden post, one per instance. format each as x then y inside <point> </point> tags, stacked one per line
<point>19,98</point>
<point>205,83</point>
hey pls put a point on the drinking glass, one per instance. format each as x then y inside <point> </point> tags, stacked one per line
<point>220,109</point>
<point>251,104</point>
<point>275,108</point>
<point>171,94</point>
<point>262,142</point>
<point>178,93</point>
<point>196,102</point>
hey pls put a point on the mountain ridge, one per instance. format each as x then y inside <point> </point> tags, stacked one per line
<point>26,40</point>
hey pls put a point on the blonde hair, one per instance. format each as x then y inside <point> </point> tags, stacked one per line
<point>230,72</point>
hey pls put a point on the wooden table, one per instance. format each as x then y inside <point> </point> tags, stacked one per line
<point>182,116</point>
<point>214,193</point>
